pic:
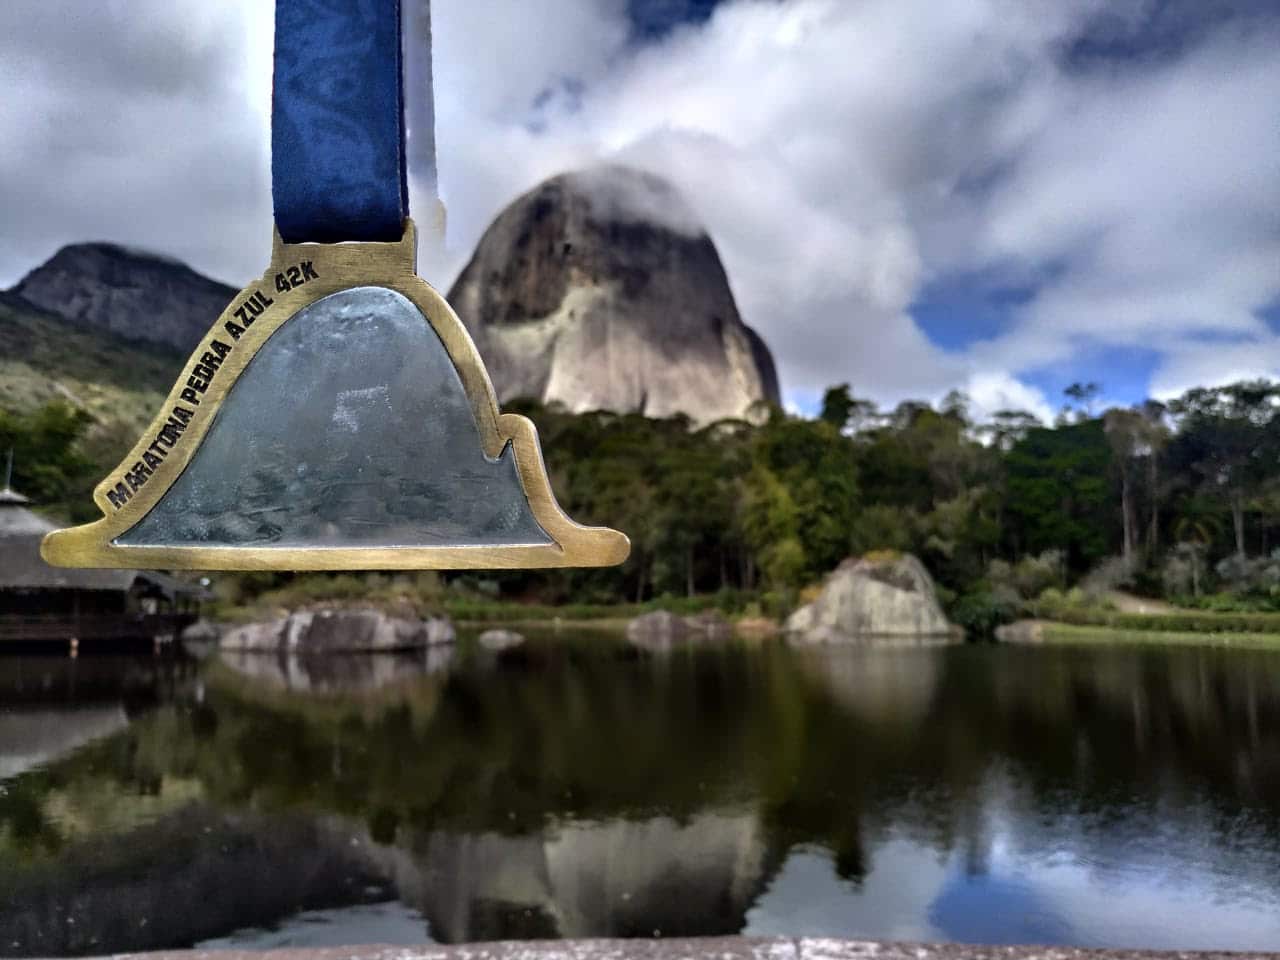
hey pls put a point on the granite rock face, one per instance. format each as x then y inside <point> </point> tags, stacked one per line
<point>132,294</point>
<point>338,631</point>
<point>878,596</point>
<point>599,290</point>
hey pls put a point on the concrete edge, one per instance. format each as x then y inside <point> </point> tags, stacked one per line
<point>709,948</point>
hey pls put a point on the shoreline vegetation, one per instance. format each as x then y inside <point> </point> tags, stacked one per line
<point>1174,506</point>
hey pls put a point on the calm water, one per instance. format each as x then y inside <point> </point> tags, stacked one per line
<point>1092,796</point>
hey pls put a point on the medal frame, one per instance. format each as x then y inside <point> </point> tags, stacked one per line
<point>143,478</point>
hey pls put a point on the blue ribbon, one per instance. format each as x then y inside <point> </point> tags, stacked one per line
<point>337,121</point>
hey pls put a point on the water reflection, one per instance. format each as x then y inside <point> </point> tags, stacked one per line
<point>1093,796</point>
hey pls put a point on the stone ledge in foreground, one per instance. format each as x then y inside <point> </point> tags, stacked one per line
<point>710,948</point>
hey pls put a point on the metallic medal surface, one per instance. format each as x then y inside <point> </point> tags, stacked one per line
<point>371,442</point>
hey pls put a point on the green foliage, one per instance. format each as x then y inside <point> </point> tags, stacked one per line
<point>49,464</point>
<point>998,512</point>
<point>1059,497</point>
<point>980,611</point>
<point>44,358</point>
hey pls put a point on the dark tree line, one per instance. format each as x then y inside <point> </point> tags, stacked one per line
<point>1185,496</point>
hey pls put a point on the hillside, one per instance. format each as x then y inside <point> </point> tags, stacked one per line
<point>133,294</point>
<point>44,358</point>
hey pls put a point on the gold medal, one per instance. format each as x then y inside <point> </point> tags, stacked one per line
<point>337,416</point>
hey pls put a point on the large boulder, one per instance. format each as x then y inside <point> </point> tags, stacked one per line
<point>883,595</point>
<point>600,290</point>
<point>339,631</point>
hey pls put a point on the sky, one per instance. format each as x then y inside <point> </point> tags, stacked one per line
<point>997,196</point>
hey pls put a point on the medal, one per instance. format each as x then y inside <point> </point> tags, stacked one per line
<point>337,416</point>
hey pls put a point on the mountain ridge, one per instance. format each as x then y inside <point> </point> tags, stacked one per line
<point>134,294</point>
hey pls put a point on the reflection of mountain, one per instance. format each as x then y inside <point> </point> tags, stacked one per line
<point>32,737</point>
<point>570,791</point>
<point>876,684</point>
<point>197,873</point>
<point>618,878</point>
<point>193,874</point>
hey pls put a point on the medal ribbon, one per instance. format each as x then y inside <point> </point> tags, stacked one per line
<point>337,122</point>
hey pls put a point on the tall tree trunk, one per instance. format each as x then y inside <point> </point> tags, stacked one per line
<point>1126,510</point>
<point>688,570</point>
<point>1237,520</point>
<point>1153,531</point>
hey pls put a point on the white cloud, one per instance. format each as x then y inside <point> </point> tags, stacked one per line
<point>993,391</point>
<point>843,155</point>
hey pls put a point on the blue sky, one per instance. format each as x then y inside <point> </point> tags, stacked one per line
<point>911,196</point>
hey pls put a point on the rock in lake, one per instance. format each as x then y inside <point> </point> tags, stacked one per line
<point>885,595</point>
<point>498,640</point>
<point>661,629</point>
<point>333,631</point>
<point>202,631</point>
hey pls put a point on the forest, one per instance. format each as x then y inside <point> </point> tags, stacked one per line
<point>1179,500</point>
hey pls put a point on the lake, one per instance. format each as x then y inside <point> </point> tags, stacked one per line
<point>1083,795</point>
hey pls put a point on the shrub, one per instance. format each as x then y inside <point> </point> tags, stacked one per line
<point>1111,574</point>
<point>980,611</point>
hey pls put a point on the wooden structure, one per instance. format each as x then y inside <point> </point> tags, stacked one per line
<point>43,603</point>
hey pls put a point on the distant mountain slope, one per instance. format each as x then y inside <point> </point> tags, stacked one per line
<point>44,357</point>
<point>599,290</point>
<point>130,293</point>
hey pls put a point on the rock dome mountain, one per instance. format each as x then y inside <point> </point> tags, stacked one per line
<point>132,294</point>
<point>599,290</point>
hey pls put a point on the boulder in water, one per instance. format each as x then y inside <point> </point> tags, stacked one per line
<point>661,629</point>
<point>333,631</point>
<point>498,640</point>
<point>881,595</point>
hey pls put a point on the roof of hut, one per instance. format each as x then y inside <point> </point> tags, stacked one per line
<point>22,567</point>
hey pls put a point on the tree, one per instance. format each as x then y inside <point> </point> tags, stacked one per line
<point>1193,536</point>
<point>837,406</point>
<point>1224,436</point>
<point>1056,492</point>
<point>1156,437</point>
<point>1081,397</point>
<point>1007,427</point>
<point>846,412</point>
<point>49,463</point>
<point>1126,432</point>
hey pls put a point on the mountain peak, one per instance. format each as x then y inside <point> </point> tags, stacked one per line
<point>600,289</point>
<point>131,293</point>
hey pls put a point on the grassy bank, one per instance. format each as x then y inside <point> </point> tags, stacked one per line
<point>1179,621</point>
<point>1071,633</point>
